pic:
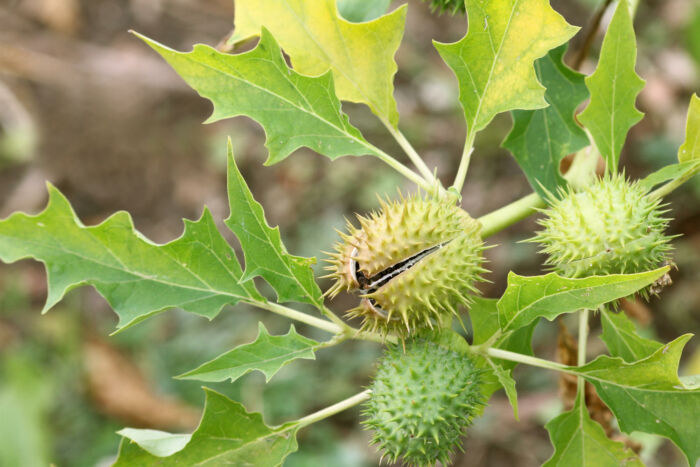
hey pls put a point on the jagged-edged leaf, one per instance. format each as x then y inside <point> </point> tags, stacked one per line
<point>226,435</point>
<point>493,62</point>
<point>690,149</point>
<point>316,38</point>
<point>359,11</point>
<point>622,340</point>
<point>484,318</point>
<point>670,172</point>
<point>198,272</point>
<point>614,87</point>
<point>548,296</point>
<point>541,138</point>
<point>290,276</point>
<point>580,441</point>
<point>267,354</point>
<point>294,110</point>
<point>648,396</point>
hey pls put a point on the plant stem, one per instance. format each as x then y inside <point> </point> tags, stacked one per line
<point>399,167</point>
<point>299,316</point>
<point>330,410</point>
<point>411,153</point>
<point>673,184</point>
<point>528,360</point>
<point>582,340</point>
<point>464,163</point>
<point>509,214</point>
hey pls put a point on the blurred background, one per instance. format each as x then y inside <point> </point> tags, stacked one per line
<point>88,107</point>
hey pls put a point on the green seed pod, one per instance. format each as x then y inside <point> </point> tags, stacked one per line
<point>421,402</point>
<point>610,227</point>
<point>413,263</point>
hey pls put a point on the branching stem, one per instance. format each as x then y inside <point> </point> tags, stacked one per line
<point>400,168</point>
<point>411,153</point>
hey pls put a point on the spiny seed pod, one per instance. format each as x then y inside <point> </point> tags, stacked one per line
<point>413,262</point>
<point>421,402</point>
<point>610,227</point>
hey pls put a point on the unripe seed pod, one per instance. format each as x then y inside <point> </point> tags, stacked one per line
<point>610,227</point>
<point>421,402</point>
<point>413,263</point>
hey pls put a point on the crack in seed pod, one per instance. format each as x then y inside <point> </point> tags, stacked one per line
<point>412,263</point>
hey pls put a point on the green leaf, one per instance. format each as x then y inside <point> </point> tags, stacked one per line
<point>227,435</point>
<point>267,354</point>
<point>294,110</point>
<point>690,149</point>
<point>670,173</point>
<point>484,317</point>
<point>621,338</point>
<point>359,11</point>
<point>198,272</point>
<point>541,138</point>
<point>648,396</point>
<point>493,62</point>
<point>290,276</point>
<point>548,296</point>
<point>316,38</point>
<point>614,87</point>
<point>579,441</point>
<point>157,442</point>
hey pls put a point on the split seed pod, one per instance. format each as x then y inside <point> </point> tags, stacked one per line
<point>413,263</point>
<point>610,227</point>
<point>421,402</point>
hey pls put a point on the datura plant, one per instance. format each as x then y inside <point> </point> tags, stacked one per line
<point>414,264</point>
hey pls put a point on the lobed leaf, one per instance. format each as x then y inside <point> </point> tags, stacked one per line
<point>267,354</point>
<point>294,110</point>
<point>493,62</point>
<point>198,272</point>
<point>622,340</point>
<point>290,276</point>
<point>226,435</point>
<point>580,441</point>
<point>614,87</point>
<point>316,38</point>
<point>690,149</point>
<point>548,296</point>
<point>648,396</point>
<point>541,138</point>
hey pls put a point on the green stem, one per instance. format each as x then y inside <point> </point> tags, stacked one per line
<point>581,171</point>
<point>528,360</point>
<point>399,167</point>
<point>330,410</point>
<point>510,214</point>
<point>411,153</point>
<point>332,316</point>
<point>464,163</point>
<point>299,316</point>
<point>582,340</point>
<point>673,184</point>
